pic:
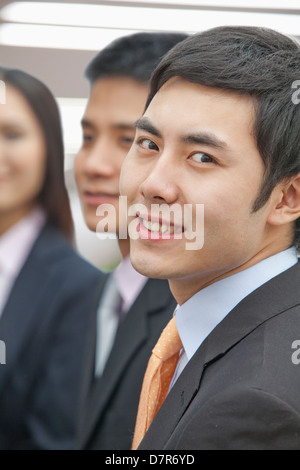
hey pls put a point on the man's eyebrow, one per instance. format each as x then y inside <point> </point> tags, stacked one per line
<point>145,124</point>
<point>201,137</point>
<point>86,123</point>
<point>119,126</point>
<point>124,126</point>
<point>204,138</point>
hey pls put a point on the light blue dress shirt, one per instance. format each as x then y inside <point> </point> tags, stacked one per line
<point>199,315</point>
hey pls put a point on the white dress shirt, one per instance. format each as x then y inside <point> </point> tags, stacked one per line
<point>15,245</point>
<point>124,283</point>
<point>199,315</point>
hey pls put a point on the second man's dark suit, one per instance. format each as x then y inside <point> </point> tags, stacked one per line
<point>110,403</point>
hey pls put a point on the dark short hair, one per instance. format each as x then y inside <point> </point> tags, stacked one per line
<point>133,56</point>
<point>53,197</point>
<point>258,62</point>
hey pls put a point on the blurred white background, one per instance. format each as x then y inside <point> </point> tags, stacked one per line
<point>55,41</point>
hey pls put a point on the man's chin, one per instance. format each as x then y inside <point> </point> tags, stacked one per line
<point>147,269</point>
<point>91,225</point>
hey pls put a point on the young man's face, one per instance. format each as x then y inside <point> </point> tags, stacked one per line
<point>195,145</point>
<point>108,127</point>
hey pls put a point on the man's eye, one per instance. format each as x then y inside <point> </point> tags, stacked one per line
<point>126,140</point>
<point>13,135</point>
<point>201,157</point>
<point>87,138</point>
<point>147,144</point>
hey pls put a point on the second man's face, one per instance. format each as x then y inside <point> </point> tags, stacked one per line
<point>108,126</point>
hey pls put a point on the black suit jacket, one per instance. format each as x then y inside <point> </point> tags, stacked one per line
<point>241,389</point>
<point>110,403</point>
<point>44,326</point>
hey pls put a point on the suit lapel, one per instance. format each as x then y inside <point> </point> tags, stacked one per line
<point>25,301</point>
<point>132,333</point>
<point>89,369</point>
<point>271,299</point>
<point>175,404</point>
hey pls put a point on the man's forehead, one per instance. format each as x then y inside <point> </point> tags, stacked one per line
<point>190,103</point>
<point>113,107</point>
<point>100,114</point>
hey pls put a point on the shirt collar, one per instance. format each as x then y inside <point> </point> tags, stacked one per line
<point>199,315</point>
<point>16,242</point>
<point>129,282</point>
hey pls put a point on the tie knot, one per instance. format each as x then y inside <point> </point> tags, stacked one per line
<point>169,342</point>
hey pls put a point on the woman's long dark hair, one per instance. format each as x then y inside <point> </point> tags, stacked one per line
<point>53,197</point>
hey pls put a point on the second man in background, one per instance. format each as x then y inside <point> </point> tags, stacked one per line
<point>133,309</point>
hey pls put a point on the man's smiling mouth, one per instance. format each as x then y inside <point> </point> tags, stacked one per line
<point>163,228</point>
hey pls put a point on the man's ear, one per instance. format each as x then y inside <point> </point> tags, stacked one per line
<point>286,202</point>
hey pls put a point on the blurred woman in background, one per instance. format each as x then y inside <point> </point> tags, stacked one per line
<point>47,292</point>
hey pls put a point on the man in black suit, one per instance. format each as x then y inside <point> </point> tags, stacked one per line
<point>120,342</point>
<point>233,160</point>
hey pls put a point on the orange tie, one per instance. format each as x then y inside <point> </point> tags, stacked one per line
<point>157,379</point>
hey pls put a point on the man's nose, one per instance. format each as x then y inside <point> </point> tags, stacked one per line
<point>100,159</point>
<point>161,186</point>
